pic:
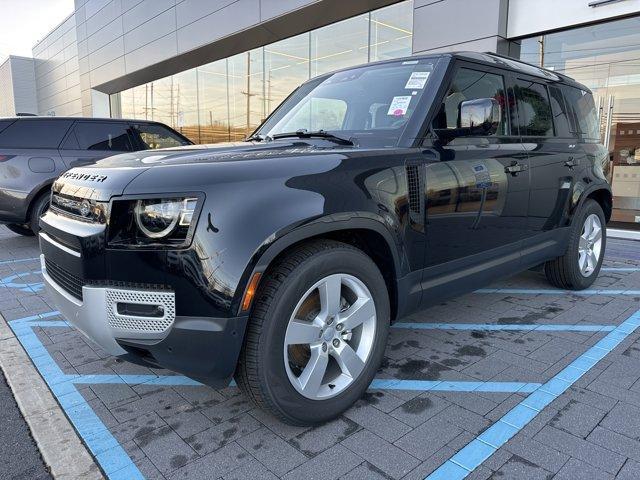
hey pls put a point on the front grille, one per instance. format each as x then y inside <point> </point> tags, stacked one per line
<point>67,280</point>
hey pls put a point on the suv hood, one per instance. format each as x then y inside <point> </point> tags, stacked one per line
<point>112,175</point>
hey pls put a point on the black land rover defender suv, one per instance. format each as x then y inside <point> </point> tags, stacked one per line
<point>369,194</point>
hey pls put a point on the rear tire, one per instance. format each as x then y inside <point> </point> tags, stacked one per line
<point>38,207</point>
<point>275,362</point>
<point>20,229</point>
<point>578,268</point>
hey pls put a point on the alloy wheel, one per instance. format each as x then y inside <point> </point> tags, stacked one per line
<point>330,336</point>
<point>590,245</point>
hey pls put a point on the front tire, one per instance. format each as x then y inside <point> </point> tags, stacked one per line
<point>317,333</point>
<point>39,206</point>
<point>578,268</point>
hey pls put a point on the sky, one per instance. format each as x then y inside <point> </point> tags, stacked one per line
<point>24,22</point>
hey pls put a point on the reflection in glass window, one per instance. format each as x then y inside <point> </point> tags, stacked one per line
<point>560,115</point>
<point>214,103</point>
<point>112,137</point>
<point>391,32</point>
<point>228,99</point>
<point>534,109</point>
<point>343,44</point>
<point>186,121</point>
<point>286,68</point>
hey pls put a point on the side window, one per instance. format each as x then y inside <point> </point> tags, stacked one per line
<point>103,136</point>
<point>34,134</point>
<point>583,110</point>
<point>534,109</point>
<point>470,84</point>
<point>157,136</point>
<point>560,113</point>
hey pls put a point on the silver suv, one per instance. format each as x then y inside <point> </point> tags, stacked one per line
<point>34,151</point>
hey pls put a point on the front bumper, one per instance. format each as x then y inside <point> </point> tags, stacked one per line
<point>203,348</point>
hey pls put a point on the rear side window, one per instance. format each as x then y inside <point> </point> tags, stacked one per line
<point>157,136</point>
<point>103,136</point>
<point>560,113</point>
<point>583,111</point>
<point>34,134</point>
<point>534,109</point>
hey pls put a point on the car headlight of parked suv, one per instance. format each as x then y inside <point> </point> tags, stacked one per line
<point>143,222</point>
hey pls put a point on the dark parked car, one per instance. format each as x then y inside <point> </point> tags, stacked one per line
<point>34,151</point>
<point>369,194</point>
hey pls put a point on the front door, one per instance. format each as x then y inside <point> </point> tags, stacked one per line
<point>477,192</point>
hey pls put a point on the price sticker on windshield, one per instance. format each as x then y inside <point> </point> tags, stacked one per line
<point>399,106</point>
<point>417,81</point>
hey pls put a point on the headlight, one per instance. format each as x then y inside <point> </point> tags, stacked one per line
<point>153,222</point>
<point>158,218</point>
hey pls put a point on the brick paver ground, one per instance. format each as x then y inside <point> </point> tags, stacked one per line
<point>591,431</point>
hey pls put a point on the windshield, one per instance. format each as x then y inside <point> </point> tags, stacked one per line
<point>370,104</point>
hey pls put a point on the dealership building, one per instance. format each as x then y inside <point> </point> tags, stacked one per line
<point>214,69</point>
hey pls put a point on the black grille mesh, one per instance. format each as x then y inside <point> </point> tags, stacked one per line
<point>415,190</point>
<point>68,281</point>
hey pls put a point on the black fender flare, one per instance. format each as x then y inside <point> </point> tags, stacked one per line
<point>587,192</point>
<point>275,245</point>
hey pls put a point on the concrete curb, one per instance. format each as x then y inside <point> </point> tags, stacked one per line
<point>62,450</point>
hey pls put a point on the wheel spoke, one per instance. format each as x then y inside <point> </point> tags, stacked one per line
<point>593,261</point>
<point>582,244</point>
<point>348,360</point>
<point>582,261</point>
<point>330,294</point>
<point>311,377</point>
<point>300,332</point>
<point>596,235</point>
<point>361,311</point>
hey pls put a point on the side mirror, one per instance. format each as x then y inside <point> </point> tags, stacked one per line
<point>479,117</point>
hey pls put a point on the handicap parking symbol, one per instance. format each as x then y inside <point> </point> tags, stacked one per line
<point>17,281</point>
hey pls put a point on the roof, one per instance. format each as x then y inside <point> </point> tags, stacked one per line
<point>84,119</point>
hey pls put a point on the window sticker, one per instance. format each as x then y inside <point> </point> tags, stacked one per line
<point>483,177</point>
<point>417,81</point>
<point>399,106</point>
<point>410,62</point>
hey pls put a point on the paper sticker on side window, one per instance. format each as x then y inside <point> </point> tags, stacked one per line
<point>417,81</point>
<point>399,106</point>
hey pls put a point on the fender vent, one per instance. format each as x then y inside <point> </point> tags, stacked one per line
<point>414,187</point>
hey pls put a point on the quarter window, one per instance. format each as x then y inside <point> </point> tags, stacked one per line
<point>157,136</point>
<point>560,114</point>
<point>583,110</point>
<point>471,85</point>
<point>534,109</point>
<point>103,136</point>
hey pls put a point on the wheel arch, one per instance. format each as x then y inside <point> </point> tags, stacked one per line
<point>604,197</point>
<point>34,195</point>
<point>369,235</point>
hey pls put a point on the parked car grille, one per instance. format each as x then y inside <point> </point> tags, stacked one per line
<point>65,279</point>
<point>78,208</point>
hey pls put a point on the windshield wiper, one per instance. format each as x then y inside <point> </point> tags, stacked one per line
<point>304,133</point>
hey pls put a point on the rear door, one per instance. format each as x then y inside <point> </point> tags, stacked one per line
<point>90,141</point>
<point>555,159</point>
<point>477,189</point>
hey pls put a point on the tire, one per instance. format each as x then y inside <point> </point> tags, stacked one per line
<point>38,207</point>
<point>20,229</point>
<point>262,373</point>
<point>565,272</point>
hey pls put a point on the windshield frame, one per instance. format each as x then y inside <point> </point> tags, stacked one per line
<point>409,133</point>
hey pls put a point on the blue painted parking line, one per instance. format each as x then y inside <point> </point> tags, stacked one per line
<point>620,269</point>
<point>10,282</point>
<point>508,327</point>
<point>19,260</point>
<point>486,444</point>
<point>545,291</point>
<point>108,452</point>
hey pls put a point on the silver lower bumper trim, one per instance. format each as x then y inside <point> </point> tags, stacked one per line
<point>97,318</point>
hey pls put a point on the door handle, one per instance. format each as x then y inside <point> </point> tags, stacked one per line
<point>572,162</point>
<point>515,168</point>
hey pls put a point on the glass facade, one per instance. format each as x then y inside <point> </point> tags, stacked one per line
<point>226,100</point>
<point>605,58</point>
